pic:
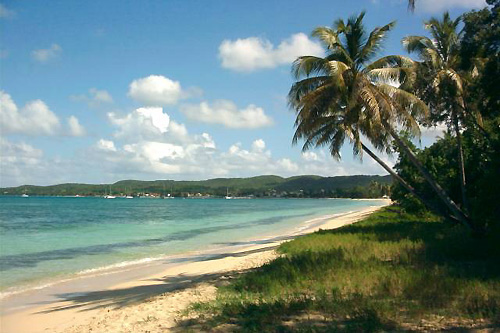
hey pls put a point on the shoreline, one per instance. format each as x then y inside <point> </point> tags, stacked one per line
<point>70,308</point>
<point>194,255</point>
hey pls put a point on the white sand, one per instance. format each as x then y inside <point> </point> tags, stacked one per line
<point>152,304</point>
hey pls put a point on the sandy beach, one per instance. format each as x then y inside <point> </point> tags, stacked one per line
<point>153,302</point>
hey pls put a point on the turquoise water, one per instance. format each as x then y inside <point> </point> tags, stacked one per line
<point>44,238</point>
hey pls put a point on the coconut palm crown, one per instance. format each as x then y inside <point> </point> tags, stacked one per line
<point>439,63</point>
<point>344,95</point>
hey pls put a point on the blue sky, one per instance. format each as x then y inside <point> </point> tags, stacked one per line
<point>98,91</point>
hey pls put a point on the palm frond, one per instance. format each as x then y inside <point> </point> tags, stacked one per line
<point>418,109</point>
<point>395,75</point>
<point>391,61</point>
<point>374,42</point>
<point>416,43</point>
<point>327,36</point>
<point>309,65</point>
<point>304,87</point>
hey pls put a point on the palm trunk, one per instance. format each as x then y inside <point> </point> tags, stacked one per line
<point>450,204</point>
<point>403,183</point>
<point>461,166</point>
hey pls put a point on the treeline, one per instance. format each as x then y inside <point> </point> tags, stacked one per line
<point>360,186</point>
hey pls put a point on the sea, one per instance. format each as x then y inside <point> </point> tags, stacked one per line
<point>45,239</point>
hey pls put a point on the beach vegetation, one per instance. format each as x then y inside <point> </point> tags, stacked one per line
<point>393,271</point>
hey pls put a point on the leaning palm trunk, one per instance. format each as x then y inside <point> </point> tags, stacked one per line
<point>403,183</point>
<point>461,166</point>
<point>450,204</point>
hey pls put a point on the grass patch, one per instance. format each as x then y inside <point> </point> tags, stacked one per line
<point>391,271</point>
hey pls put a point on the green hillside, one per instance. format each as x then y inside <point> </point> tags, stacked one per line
<point>260,186</point>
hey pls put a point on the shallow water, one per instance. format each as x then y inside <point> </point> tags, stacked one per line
<point>48,238</point>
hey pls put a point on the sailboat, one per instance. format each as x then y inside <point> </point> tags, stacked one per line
<point>24,195</point>
<point>109,196</point>
<point>227,194</point>
<point>129,196</point>
<point>169,195</point>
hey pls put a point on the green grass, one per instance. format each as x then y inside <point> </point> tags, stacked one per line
<point>393,271</point>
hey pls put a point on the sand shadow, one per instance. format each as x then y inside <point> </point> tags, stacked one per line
<point>118,298</point>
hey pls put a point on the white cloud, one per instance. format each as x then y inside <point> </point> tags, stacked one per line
<point>206,141</point>
<point>19,161</point>
<point>156,151</point>
<point>5,12</point>
<point>258,145</point>
<point>287,166</point>
<point>155,90</point>
<point>148,123</point>
<point>310,156</point>
<point>45,55</point>
<point>14,152</point>
<point>75,129</point>
<point>249,54</point>
<point>106,145</point>
<point>94,98</point>
<point>226,113</point>
<point>434,6</point>
<point>35,118</point>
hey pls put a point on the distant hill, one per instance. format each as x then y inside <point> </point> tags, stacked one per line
<point>261,186</point>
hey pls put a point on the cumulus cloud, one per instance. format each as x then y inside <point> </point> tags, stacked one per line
<point>94,98</point>
<point>17,158</point>
<point>15,152</point>
<point>433,6</point>
<point>156,90</point>
<point>35,118</point>
<point>106,145</point>
<point>310,156</point>
<point>5,12</point>
<point>226,113</point>
<point>148,123</point>
<point>45,55</point>
<point>287,166</point>
<point>253,53</point>
<point>258,145</point>
<point>75,129</point>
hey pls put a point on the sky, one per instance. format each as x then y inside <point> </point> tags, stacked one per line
<point>99,91</point>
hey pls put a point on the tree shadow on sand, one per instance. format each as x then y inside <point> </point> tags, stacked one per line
<point>118,298</point>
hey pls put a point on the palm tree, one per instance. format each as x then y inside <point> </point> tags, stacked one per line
<point>440,60</point>
<point>343,96</point>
